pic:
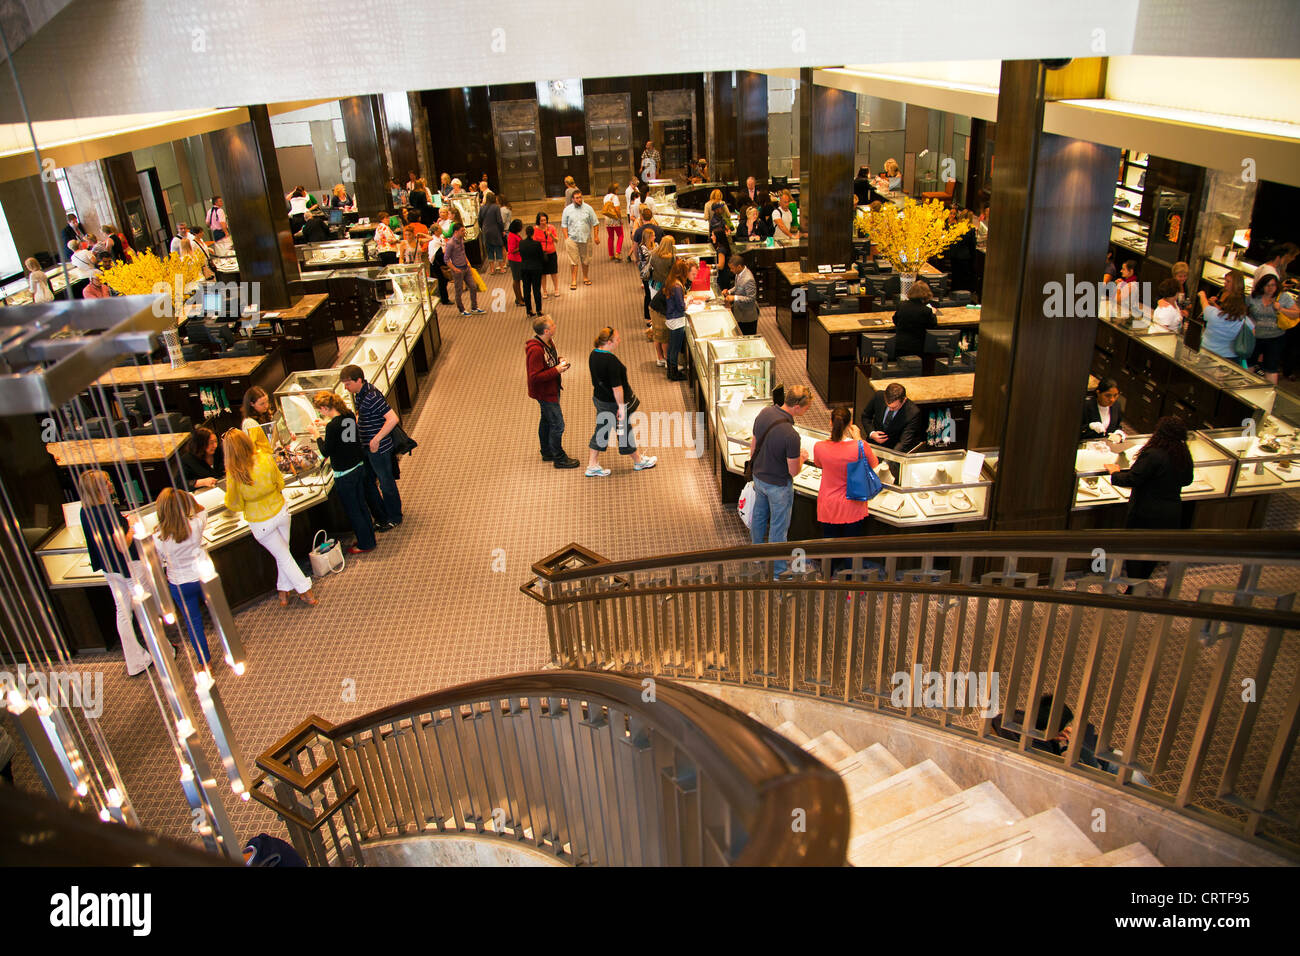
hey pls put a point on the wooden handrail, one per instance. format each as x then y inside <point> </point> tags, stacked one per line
<point>1273,547</point>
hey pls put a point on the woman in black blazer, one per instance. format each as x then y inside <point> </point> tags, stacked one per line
<point>753,227</point>
<point>912,320</point>
<point>1163,467</point>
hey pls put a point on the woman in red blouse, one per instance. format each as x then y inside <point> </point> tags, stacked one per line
<point>838,516</point>
<point>544,233</point>
<point>514,260</point>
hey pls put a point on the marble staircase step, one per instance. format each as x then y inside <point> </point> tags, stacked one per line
<point>790,731</point>
<point>896,796</point>
<point>982,809</point>
<point>867,767</point>
<point>1045,839</point>
<point>1135,854</point>
<point>829,747</point>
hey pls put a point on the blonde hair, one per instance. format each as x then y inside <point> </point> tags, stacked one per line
<point>32,265</point>
<point>1180,268</point>
<point>327,399</point>
<point>241,454</point>
<point>175,508</point>
<point>568,181</point>
<point>96,488</point>
<point>340,191</point>
<point>604,335</point>
<point>667,246</point>
<point>892,164</point>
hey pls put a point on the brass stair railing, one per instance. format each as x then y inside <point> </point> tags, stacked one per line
<point>601,769</point>
<point>1191,681</point>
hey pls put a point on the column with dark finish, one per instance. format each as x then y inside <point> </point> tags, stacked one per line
<point>124,189</point>
<point>1050,214</point>
<point>363,130</point>
<point>828,121</point>
<point>401,135</point>
<point>722,159</point>
<point>255,206</point>
<point>751,127</point>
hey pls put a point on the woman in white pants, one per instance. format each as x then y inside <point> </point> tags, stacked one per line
<point>253,486</point>
<point>111,549</point>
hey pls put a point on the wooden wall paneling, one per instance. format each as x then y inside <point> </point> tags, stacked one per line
<point>254,195</point>
<point>460,132</point>
<point>752,127</point>
<point>363,131</point>
<point>724,127</point>
<point>399,129</point>
<point>560,113</point>
<point>828,120</point>
<point>124,188</point>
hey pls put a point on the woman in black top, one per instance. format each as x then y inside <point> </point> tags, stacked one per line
<point>752,228</point>
<point>343,447</point>
<point>1163,467</point>
<point>198,459</point>
<point>418,201</point>
<point>912,320</point>
<point>612,396</point>
<point>532,267</point>
<point>720,233</point>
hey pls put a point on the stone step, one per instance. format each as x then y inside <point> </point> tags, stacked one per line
<point>1046,839</point>
<point>980,810</point>
<point>867,767</point>
<point>896,796</point>
<point>790,731</point>
<point>1135,854</point>
<point>829,747</point>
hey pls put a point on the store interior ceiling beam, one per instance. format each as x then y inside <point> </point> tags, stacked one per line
<point>254,53</point>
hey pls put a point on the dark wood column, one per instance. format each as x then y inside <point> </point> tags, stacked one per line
<point>255,207</point>
<point>124,189</point>
<point>751,126</point>
<point>1049,216</point>
<point>401,135</point>
<point>363,128</point>
<point>723,158</point>
<point>828,121</point>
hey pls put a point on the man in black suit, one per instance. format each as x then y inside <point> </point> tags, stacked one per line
<point>72,232</point>
<point>891,420</point>
<point>315,228</point>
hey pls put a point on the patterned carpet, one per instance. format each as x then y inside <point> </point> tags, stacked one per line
<point>438,602</point>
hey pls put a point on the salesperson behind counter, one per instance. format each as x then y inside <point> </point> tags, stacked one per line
<point>1101,411</point>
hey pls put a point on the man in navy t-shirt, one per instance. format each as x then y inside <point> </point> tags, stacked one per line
<point>375,421</point>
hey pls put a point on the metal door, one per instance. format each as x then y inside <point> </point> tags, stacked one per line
<point>514,125</point>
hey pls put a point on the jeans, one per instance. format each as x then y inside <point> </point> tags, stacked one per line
<point>351,488</point>
<point>676,340</point>
<point>854,529</point>
<point>645,306</point>
<point>462,279</point>
<point>550,430</point>
<point>136,656</point>
<point>273,534</point>
<point>381,466</point>
<point>606,422</point>
<point>770,521</point>
<point>533,291</point>
<point>189,602</point>
<point>610,233</point>
<point>495,253</point>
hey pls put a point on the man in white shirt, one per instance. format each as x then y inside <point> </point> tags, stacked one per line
<point>182,232</point>
<point>577,225</point>
<point>1167,313</point>
<point>1282,255</point>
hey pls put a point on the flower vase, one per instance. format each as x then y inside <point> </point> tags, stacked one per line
<point>172,341</point>
<point>905,280</point>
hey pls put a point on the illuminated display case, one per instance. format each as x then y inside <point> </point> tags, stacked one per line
<point>405,319</point>
<point>381,355</point>
<point>1211,470</point>
<point>1265,462</point>
<point>738,369</point>
<point>410,284</point>
<point>707,321</point>
<point>467,205</point>
<point>293,398</point>
<point>931,488</point>
<point>340,252</point>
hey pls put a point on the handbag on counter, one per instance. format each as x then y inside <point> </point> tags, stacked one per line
<point>862,483</point>
<point>326,556</point>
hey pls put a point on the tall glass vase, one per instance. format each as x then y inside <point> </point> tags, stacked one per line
<point>905,280</point>
<point>171,339</point>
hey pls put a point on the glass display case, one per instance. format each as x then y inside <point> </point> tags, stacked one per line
<point>410,283</point>
<point>63,552</point>
<point>738,369</point>
<point>1214,270</point>
<point>705,320</point>
<point>15,292</point>
<point>293,398</point>
<point>1129,233</point>
<point>381,355</point>
<point>405,319</point>
<point>1211,470</point>
<point>225,264</point>
<point>340,252</point>
<point>1266,462</point>
<point>467,205</point>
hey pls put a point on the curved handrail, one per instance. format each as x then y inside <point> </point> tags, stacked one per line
<point>759,775</point>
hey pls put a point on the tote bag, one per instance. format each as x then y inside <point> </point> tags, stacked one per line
<point>862,482</point>
<point>477,279</point>
<point>326,556</point>
<point>1244,344</point>
<point>745,506</point>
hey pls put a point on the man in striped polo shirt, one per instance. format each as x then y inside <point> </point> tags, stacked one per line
<point>374,422</point>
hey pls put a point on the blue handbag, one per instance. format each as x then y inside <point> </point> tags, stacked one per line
<point>862,483</point>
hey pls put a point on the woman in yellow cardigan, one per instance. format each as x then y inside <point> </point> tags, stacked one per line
<point>253,486</point>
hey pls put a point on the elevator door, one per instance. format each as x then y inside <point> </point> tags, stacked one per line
<point>519,168</point>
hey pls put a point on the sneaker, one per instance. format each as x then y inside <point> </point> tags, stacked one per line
<point>597,472</point>
<point>661,363</point>
<point>567,462</point>
<point>647,462</point>
<point>465,312</point>
<point>386,526</point>
<point>477,312</point>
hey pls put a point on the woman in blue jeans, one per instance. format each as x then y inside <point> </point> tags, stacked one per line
<point>675,317</point>
<point>343,446</point>
<point>179,540</point>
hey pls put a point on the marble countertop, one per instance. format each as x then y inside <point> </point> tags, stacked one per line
<point>933,388</point>
<point>792,272</point>
<point>222,368</point>
<point>884,321</point>
<point>303,306</point>
<point>126,449</point>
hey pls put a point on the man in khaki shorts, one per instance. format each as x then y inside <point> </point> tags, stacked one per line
<point>578,224</point>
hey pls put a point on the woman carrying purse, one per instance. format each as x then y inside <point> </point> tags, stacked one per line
<point>838,515</point>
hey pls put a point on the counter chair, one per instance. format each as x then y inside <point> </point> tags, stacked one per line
<point>170,423</point>
<point>946,196</point>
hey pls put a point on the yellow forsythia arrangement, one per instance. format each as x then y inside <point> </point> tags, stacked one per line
<point>148,275</point>
<point>909,236</point>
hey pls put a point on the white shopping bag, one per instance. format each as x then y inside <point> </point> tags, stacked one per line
<point>745,507</point>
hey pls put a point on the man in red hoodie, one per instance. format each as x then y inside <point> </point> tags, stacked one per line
<point>544,370</point>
